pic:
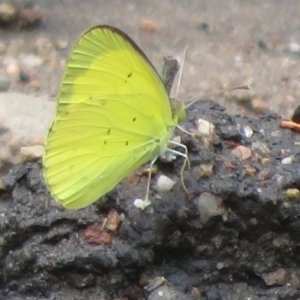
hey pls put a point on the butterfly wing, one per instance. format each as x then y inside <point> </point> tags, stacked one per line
<point>113,115</point>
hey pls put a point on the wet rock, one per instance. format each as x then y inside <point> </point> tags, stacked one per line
<point>230,237</point>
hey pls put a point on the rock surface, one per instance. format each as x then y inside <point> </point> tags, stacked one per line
<point>245,247</point>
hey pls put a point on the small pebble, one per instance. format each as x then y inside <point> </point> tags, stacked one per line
<point>32,152</point>
<point>113,220</point>
<point>278,277</point>
<point>250,171</point>
<point>292,194</point>
<point>94,234</point>
<point>248,131</point>
<point>205,170</point>
<point>265,174</point>
<point>259,106</point>
<point>265,160</point>
<point>164,183</point>
<point>142,204</point>
<point>210,206</point>
<point>260,147</point>
<point>220,265</point>
<point>287,160</point>
<point>164,290</point>
<point>205,128</point>
<point>155,283</point>
<point>276,133</point>
<point>149,25</point>
<point>242,152</point>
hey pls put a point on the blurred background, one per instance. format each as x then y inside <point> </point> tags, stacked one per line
<point>231,43</point>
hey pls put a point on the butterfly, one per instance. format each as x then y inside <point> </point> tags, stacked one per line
<point>113,115</point>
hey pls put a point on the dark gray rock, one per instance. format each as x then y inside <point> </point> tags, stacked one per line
<point>233,254</point>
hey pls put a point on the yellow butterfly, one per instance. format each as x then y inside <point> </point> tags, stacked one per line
<point>113,115</point>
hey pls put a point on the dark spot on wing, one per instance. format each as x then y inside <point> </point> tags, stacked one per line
<point>105,142</point>
<point>128,76</point>
<point>134,119</point>
<point>126,143</point>
<point>108,132</point>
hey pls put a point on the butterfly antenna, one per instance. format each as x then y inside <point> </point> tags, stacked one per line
<point>186,161</point>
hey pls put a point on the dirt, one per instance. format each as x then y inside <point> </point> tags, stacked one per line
<point>236,234</point>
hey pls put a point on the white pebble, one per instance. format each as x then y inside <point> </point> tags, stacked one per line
<point>142,204</point>
<point>205,128</point>
<point>164,183</point>
<point>287,160</point>
<point>248,131</point>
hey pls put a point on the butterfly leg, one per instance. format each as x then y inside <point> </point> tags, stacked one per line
<point>186,160</point>
<point>146,202</point>
<point>185,131</point>
<point>149,177</point>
